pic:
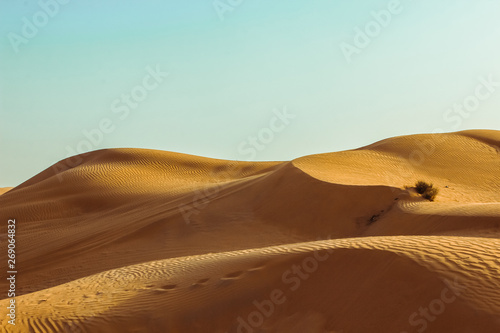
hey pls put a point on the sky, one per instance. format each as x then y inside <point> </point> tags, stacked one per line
<point>238,79</point>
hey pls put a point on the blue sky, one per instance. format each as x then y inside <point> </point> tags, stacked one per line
<point>233,67</point>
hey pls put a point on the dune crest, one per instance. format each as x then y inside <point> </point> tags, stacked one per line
<point>5,189</point>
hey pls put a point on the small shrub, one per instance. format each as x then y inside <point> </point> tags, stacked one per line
<point>427,190</point>
<point>422,186</point>
<point>430,193</point>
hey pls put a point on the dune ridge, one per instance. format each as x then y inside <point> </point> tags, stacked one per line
<point>5,189</point>
<point>133,240</point>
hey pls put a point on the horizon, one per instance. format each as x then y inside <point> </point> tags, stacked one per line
<point>250,81</point>
<point>256,161</point>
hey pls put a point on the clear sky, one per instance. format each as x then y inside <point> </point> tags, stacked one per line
<point>247,80</point>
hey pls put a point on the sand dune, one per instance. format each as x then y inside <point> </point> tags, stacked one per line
<point>5,189</point>
<point>130,240</point>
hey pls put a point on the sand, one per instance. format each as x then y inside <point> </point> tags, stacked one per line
<point>134,240</point>
<point>5,189</point>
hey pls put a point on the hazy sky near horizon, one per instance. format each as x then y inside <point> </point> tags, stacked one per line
<point>247,80</point>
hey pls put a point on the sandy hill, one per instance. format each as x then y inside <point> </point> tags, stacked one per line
<point>4,189</point>
<point>132,240</point>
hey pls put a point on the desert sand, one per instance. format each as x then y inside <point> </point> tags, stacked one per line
<point>135,240</point>
<point>4,189</point>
